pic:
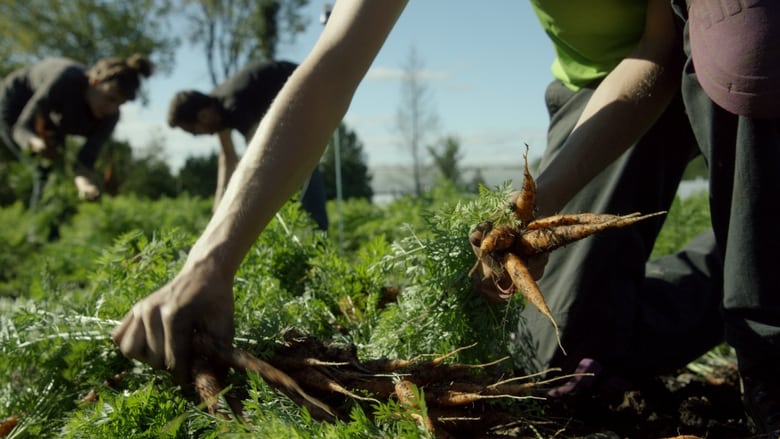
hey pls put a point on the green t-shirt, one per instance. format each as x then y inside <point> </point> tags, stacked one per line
<point>590,37</point>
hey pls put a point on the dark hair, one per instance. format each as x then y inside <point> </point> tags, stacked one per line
<point>185,106</point>
<point>125,72</point>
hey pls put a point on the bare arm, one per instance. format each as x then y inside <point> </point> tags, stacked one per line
<point>285,148</point>
<point>228,159</point>
<point>282,153</point>
<point>623,107</point>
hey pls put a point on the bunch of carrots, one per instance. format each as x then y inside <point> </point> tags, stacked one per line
<point>324,377</point>
<point>505,249</point>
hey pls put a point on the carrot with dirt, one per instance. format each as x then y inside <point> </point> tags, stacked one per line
<point>525,283</point>
<point>242,360</point>
<point>407,396</point>
<point>572,219</point>
<point>7,425</point>
<point>534,241</point>
<point>505,249</point>
<point>525,203</point>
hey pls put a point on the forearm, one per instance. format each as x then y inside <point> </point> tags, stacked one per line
<point>294,132</point>
<point>604,133</point>
<point>626,104</point>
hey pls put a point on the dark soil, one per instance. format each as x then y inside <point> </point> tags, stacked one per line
<point>681,405</point>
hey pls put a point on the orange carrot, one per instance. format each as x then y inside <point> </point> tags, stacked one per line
<point>405,391</point>
<point>497,239</point>
<point>536,241</point>
<point>526,284</point>
<point>207,383</point>
<point>7,425</point>
<point>525,203</point>
<point>573,218</point>
<point>491,240</point>
<point>242,360</point>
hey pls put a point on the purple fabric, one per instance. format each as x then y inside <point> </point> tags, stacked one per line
<point>735,47</point>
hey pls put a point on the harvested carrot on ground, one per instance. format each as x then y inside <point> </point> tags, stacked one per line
<point>231,357</point>
<point>405,392</point>
<point>7,425</point>
<point>442,397</point>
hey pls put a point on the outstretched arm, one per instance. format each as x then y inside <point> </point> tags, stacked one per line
<point>282,153</point>
<point>624,106</point>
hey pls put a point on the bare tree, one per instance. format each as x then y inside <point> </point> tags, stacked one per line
<point>416,119</point>
<point>233,32</point>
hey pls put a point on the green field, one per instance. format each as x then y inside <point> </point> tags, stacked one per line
<point>70,271</point>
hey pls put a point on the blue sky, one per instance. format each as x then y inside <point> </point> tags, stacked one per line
<point>486,66</point>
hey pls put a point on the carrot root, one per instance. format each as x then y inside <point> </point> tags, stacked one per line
<point>527,286</point>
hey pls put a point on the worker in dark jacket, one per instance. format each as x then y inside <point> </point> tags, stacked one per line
<point>239,104</point>
<point>43,103</point>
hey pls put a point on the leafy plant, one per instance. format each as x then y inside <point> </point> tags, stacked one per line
<point>62,376</point>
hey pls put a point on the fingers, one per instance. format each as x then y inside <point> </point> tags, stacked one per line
<point>493,290</point>
<point>160,328</point>
<point>154,333</point>
<point>139,336</point>
<point>477,235</point>
<point>129,336</point>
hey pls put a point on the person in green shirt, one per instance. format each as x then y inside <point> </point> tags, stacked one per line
<point>619,140</point>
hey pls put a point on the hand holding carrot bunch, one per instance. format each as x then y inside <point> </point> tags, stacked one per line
<point>512,255</point>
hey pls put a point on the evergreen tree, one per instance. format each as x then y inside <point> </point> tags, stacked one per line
<point>150,176</point>
<point>198,176</point>
<point>355,178</point>
<point>446,159</point>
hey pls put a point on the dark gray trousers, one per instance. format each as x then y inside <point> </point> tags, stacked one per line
<point>610,304</point>
<point>314,200</point>
<point>744,163</point>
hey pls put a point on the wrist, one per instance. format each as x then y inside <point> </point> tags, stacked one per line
<point>209,268</point>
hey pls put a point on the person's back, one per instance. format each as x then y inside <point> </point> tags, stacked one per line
<point>239,103</point>
<point>247,95</point>
<point>589,37</point>
<point>59,84</point>
<point>42,103</point>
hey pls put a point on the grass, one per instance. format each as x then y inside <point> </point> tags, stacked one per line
<point>61,376</point>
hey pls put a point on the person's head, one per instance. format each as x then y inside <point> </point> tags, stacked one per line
<point>195,112</point>
<point>114,81</point>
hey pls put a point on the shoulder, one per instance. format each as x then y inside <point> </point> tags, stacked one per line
<point>58,70</point>
<point>60,64</point>
<point>286,65</point>
<point>270,67</point>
